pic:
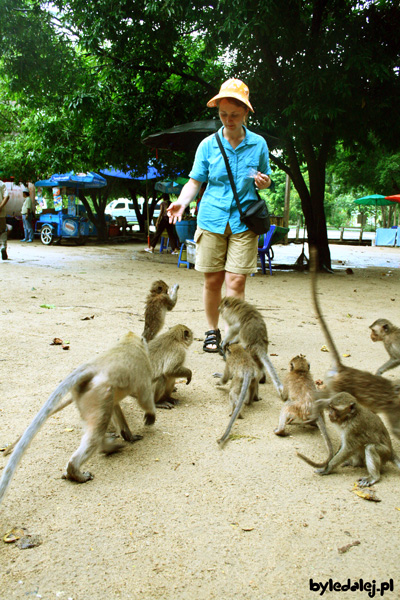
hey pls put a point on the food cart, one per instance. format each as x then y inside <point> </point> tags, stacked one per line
<point>71,223</point>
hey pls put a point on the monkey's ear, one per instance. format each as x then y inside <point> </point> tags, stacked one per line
<point>385,327</point>
<point>186,334</point>
<point>353,407</point>
<point>309,365</point>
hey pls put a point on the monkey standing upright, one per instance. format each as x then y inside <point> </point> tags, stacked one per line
<point>299,394</point>
<point>246,324</point>
<point>97,388</point>
<point>373,391</point>
<point>158,301</point>
<point>384,331</point>
<point>245,374</point>
<point>365,441</point>
<point>167,356</point>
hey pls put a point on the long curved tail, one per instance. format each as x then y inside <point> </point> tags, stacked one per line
<point>311,462</point>
<point>269,367</point>
<point>47,409</point>
<point>328,337</point>
<point>245,386</point>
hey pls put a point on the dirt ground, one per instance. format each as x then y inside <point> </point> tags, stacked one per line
<point>174,516</point>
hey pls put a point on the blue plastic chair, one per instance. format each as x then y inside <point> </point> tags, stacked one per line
<point>180,260</point>
<point>164,242</point>
<point>266,249</point>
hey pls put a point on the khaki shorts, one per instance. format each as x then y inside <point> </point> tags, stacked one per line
<point>233,252</point>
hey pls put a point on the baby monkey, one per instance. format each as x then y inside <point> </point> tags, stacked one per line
<point>299,392</point>
<point>384,331</point>
<point>167,356</point>
<point>365,441</point>
<point>245,374</point>
<point>97,388</point>
<point>158,301</point>
<point>247,326</point>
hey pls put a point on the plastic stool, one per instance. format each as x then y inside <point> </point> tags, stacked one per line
<point>180,261</point>
<point>164,242</point>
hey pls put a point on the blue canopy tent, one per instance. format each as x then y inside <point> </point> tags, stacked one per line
<point>88,180</point>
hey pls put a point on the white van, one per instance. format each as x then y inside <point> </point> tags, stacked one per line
<point>125,208</point>
<point>122,208</point>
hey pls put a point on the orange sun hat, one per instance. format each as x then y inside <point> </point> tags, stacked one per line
<point>233,88</point>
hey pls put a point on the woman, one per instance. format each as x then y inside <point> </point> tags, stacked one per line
<point>226,250</point>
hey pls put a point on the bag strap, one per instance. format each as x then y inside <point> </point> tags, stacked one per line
<point>228,168</point>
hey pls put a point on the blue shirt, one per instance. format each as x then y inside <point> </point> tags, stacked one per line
<point>218,206</point>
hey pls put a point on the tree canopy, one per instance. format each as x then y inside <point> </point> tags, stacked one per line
<point>102,75</point>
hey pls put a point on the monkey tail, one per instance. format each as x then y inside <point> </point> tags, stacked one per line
<point>327,439</point>
<point>328,337</point>
<point>269,367</point>
<point>81,375</point>
<point>245,386</point>
<point>311,462</point>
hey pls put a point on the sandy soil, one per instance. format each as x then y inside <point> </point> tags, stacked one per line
<point>173,516</point>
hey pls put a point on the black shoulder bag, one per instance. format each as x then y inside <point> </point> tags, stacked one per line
<point>256,216</point>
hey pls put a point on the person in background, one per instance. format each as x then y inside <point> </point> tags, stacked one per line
<point>163,224</point>
<point>4,197</point>
<point>27,216</point>
<point>226,250</point>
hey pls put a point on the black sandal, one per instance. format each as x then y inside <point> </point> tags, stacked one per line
<point>213,338</point>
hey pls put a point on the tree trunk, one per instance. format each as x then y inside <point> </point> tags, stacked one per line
<point>312,201</point>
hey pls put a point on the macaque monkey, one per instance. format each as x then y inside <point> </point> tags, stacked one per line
<point>365,441</point>
<point>245,374</point>
<point>299,394</point>
<point>158,301</point>
<point>373,391</point>
<point>384,331</point>
<point>97,388</point>
<point>247,326</point>
<point>167,357</point>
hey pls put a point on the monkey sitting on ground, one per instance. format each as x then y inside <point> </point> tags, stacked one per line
<point>373,391</point>
<point>158,301</point>
<point>299,392</point>
<point>384,331</point>
<point>245,374</point>
<point>97,388</point>
<point>247,326</point>
<point>167,356</point>
<point>365,439</point>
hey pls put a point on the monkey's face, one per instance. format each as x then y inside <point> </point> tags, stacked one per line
<point>375,337</point>
<point>379,329</point>
<point>159,287</point>
<point>341,413</point>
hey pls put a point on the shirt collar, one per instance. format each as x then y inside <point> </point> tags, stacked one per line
<point>249,140</point>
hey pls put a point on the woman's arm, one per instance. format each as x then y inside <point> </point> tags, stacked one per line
<point>188,193</point>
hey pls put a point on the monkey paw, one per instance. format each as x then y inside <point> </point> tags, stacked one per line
<point>366,481</point>
<point>321,471</point>
<point>168,404</point>
<point>129,437</point>
<point>149,419</point>
<point>77,476</point>
<point>280,432</point>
